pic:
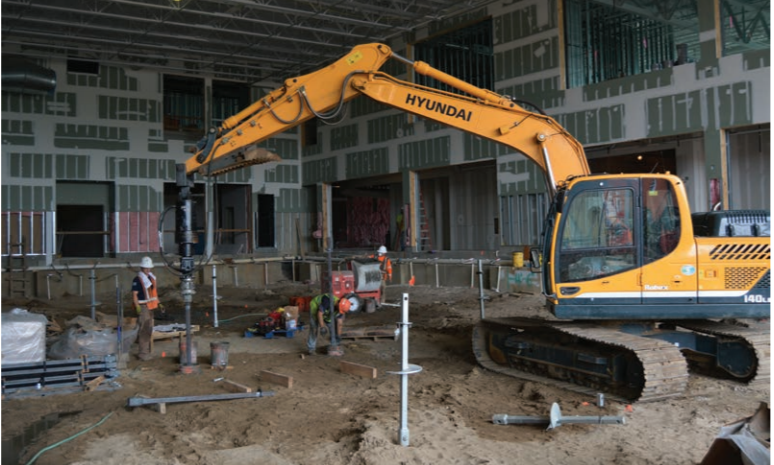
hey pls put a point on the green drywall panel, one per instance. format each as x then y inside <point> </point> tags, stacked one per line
<point>158,147</point>
<point>143,167</point>
<point>627,85</point>
<point>319,171</point>
<point>133,199</point>
<point>292,200</point>
<point>344,137</point>
<point>27,141</point>
<point>18,132</point>
<point>83,193</point>
<point>734,103</point>
<point>143,198</point>
<point>90,137</point>
<point>544,93</point>
<point>756,59</point>
<point>534,182</point>
<point>287,149</point>
<point>367,163</point>
<point>123,198</point>
<point>14,198</point>
<point>282,173</point>
<point>722,106</point>
<point>611,123</point>
<point>25,203</point>
<point>110,77</point>
<point>591,126</point>
<point>425,153</point>
<point>526,59</point>
<point>389,127</point>
<point>72,166</point>
<point>477,148</point>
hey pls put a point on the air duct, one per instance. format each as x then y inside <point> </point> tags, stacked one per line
<point>23,76</point>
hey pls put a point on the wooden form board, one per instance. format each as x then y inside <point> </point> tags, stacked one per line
<point>356,369</point>
<point>277,378</point>
<point>235,387</point>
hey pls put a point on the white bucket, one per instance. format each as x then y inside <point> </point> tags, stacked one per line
<point>290,325</point>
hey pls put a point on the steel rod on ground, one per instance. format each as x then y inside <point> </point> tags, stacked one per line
<point>556,419</point>
<point>138,401</point>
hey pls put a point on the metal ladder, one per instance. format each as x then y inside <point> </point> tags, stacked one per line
<point>17,271</point>
<point>425,238</point>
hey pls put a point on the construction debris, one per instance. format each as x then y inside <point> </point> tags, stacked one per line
<point>747,441</point>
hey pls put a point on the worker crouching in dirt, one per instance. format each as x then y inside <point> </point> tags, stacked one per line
<point>322,310</point>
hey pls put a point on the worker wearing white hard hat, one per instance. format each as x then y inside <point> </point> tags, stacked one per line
<point>385,265</point>
<point>146,299</point>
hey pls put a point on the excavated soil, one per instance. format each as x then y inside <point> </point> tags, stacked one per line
<point>329,417</point>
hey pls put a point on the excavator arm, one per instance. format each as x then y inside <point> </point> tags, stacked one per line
<point>322,94</point>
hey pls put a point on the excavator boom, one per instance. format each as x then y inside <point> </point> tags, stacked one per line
<point>322,94</point>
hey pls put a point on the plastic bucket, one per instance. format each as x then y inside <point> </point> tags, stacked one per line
<point>219,354</point>
<point>183,352</point>
<point>518,259</point>
<point>290,325</point>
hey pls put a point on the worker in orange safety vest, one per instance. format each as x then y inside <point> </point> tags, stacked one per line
<point>385,265</point>
<point>146,300</point>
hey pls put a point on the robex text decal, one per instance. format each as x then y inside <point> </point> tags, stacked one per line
<point>438,107</point>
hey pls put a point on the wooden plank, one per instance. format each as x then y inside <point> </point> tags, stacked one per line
<point>235,387</point>
<point>356,369</point>
<point>94,383</point>
<point>277,378</point>
<point>372,332</point>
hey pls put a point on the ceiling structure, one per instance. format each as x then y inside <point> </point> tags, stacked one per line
<point>247,40</point>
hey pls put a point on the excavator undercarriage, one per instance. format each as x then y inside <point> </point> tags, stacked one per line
<point>627,361</point>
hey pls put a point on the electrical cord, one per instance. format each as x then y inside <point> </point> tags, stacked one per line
<point>52,446</point>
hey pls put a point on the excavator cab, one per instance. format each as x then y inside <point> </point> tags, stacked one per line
<point>614,246</point>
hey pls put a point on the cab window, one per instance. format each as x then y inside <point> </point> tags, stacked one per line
<point>661,218</point>
<point>597,235</point>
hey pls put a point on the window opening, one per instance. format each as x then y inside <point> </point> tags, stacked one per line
<point>228,99</point>
<point>604,42</point>
<point>466,53</point>
<point>184,106</point>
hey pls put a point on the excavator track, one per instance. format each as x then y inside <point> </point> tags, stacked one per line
<point>629,368</point>
<point>758,340</point>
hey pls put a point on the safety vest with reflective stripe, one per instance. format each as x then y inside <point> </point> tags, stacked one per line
<point>150,294</point>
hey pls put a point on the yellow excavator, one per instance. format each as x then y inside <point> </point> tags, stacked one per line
<point>641,288</point>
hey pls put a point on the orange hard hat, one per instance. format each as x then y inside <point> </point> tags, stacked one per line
<point>344,305</point>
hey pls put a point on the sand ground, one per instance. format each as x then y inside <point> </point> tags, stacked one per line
<point>329,417</point>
